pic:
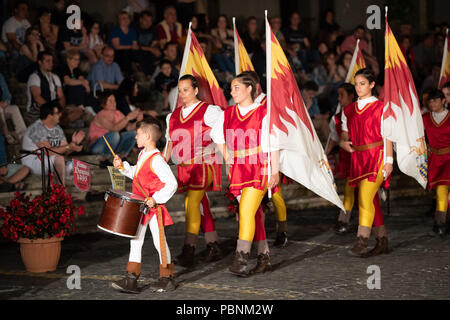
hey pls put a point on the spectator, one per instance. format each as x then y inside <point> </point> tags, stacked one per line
<point>165,81</point>
<point>11,175</point>
<point>320,121</point>
<point>446,91</point>
<point>109,123</point>
<point>425,56</point>
<point>13,31</point>
<point>432,81</point>
<point>43,86</point>
<point>250,37</point>
<point>328,26</point>
<point>171,53</point>
<point>344,62</point>
<point>105,72</point>
<point>49,31</point>
<point>72,39</point>
<point>46,132</point>
<point>200,26</point>
<point>426,100</point>
<point>95,43</point>
<point>294,61</point>
<point>58,14</point>
<point>275,24</point>
<point>295,35</point>
<point>76,90</point>
<point>28,53</point>
<point>147,39</point>
<point>10,112</point>
<point>169,30</point>
<point>349,43</point>
<point>126,97</point>
<point>224,41</point>
<point>259,62</point>
<point>123,39</point>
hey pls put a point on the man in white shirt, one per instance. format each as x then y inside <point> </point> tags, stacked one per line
<point>13,30</point>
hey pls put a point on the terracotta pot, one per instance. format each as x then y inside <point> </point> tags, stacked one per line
<point>40,255</point>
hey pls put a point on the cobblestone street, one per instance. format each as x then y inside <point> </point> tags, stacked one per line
<point>315,264</point>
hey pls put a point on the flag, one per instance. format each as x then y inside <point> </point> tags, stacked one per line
<point>445,69</point>
<point>302,157</point>
<point>402,119</point>
<point>357,63</point>
<point>194,62</point>
<point>242,61</point>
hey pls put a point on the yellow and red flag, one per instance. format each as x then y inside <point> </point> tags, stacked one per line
<point>357,63</point>
<point>242,61</point>
<point>302,157</point>
<point>445,69</point>
<point>194,62</point>
<point>402,118</point>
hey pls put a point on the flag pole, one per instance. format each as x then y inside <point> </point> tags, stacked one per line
<point>236,49</point>
<point>268,81</point>
<point>444,58</point>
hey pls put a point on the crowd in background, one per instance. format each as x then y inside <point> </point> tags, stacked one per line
<point>106,78</point>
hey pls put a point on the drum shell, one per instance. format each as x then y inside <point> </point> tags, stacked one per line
<point>120,216</point>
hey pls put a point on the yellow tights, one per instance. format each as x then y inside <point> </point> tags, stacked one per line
<point>250,200</point>
<point>367,192</point>
<point>442,198</point>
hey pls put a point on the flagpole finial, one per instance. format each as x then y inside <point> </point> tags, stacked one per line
<point>234,20</point>
<point>190,23</point>
<point>386,10</point>
<point>265,13</point>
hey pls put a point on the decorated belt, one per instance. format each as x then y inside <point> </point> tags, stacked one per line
<point>369,146</point>
<point>441,151</point>
<point>247,152</point>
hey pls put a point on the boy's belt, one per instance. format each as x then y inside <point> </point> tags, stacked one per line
<point>369,146</point>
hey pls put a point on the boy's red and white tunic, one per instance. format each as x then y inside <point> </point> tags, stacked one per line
<point>157,180</point>
<point>363,122</point>
<point>189,130</point>
<point>437,129</point>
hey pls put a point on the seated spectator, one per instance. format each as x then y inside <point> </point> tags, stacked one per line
<point>109,123</point>
<point>28,53</point>
<point>320,121</point>
<point>328,26</point>
<point>46,132</point>
<point>95,43</point>
<point>446,91</point>
<point>147,39</point>
<point>72,39</point>
<point>425,56</point>
<point>10,112</point>
<point>250,37</point>
<point>123,39</point>
<point>165,80</point>
<point>224,41</point>
<point>126,97</point>
<point>49,31</point>
<point>58,14</point>
<point>169,30</point>
<point>344,62</point>
<point>275,24</point>
<point>76,89</point>
<point>432,81</point>
<point>13,30</point>
<point>259,62</point>
<point>105,73</point>
<point>11,175</point>
<point>170,53</point>
<point>359,33</point>
<point>43,86</point>
<point>296,36</point>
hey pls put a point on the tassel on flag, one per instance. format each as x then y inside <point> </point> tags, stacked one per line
<point>242,61</point>
<point>445,69</point>
<point>402,118</point>
<point>302,157</point>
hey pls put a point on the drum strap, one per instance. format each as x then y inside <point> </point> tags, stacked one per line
<point>162,242</point>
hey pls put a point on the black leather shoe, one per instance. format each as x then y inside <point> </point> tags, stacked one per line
<point>341,228</point>
<point>186,258</point>
<point>281,240</point>
<point>213,252</point>
<point>128,284</point>
<point>163,285</point>
<point>239,266</point>
<point>263,264</point>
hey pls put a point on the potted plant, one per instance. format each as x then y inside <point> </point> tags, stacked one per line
<point>39,224</point>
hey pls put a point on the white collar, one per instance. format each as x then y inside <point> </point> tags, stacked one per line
<point>363,102</point>
<point>245,110</point>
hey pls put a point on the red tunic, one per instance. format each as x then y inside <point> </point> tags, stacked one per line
<point>343,167</point>
<point>243,139</point>
<point>438,137</point>
<point>364,127</point>
<point>150,183</point>
<point>189,138</point>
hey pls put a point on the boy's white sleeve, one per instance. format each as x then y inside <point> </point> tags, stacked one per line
<point>128,170</point>
<point>162,170</point>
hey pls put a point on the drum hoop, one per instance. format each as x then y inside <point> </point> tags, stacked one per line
<point>113,194</point>
<point>116,233</point>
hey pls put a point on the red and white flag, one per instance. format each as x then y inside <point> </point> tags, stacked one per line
<point>302,157</point>
<point>445,69</point>
<point>402,119</point>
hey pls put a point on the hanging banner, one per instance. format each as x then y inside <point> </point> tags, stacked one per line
<point>81,175</point>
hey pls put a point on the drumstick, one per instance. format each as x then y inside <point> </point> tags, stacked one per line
<point>112,151</point>
<point>162,242</point>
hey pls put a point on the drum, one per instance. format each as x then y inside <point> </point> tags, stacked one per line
<point>122,213</point>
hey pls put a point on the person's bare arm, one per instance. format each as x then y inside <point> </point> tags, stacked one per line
<point>12,39</point>
<point>345,142</point>
<point>61,97</point>
<point>117,46</point>
<point>36,93</point>
<point>107,85</point>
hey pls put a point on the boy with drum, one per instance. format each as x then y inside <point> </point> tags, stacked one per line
<point>153,180</point>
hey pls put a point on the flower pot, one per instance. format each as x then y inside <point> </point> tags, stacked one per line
<point>40,255</point>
